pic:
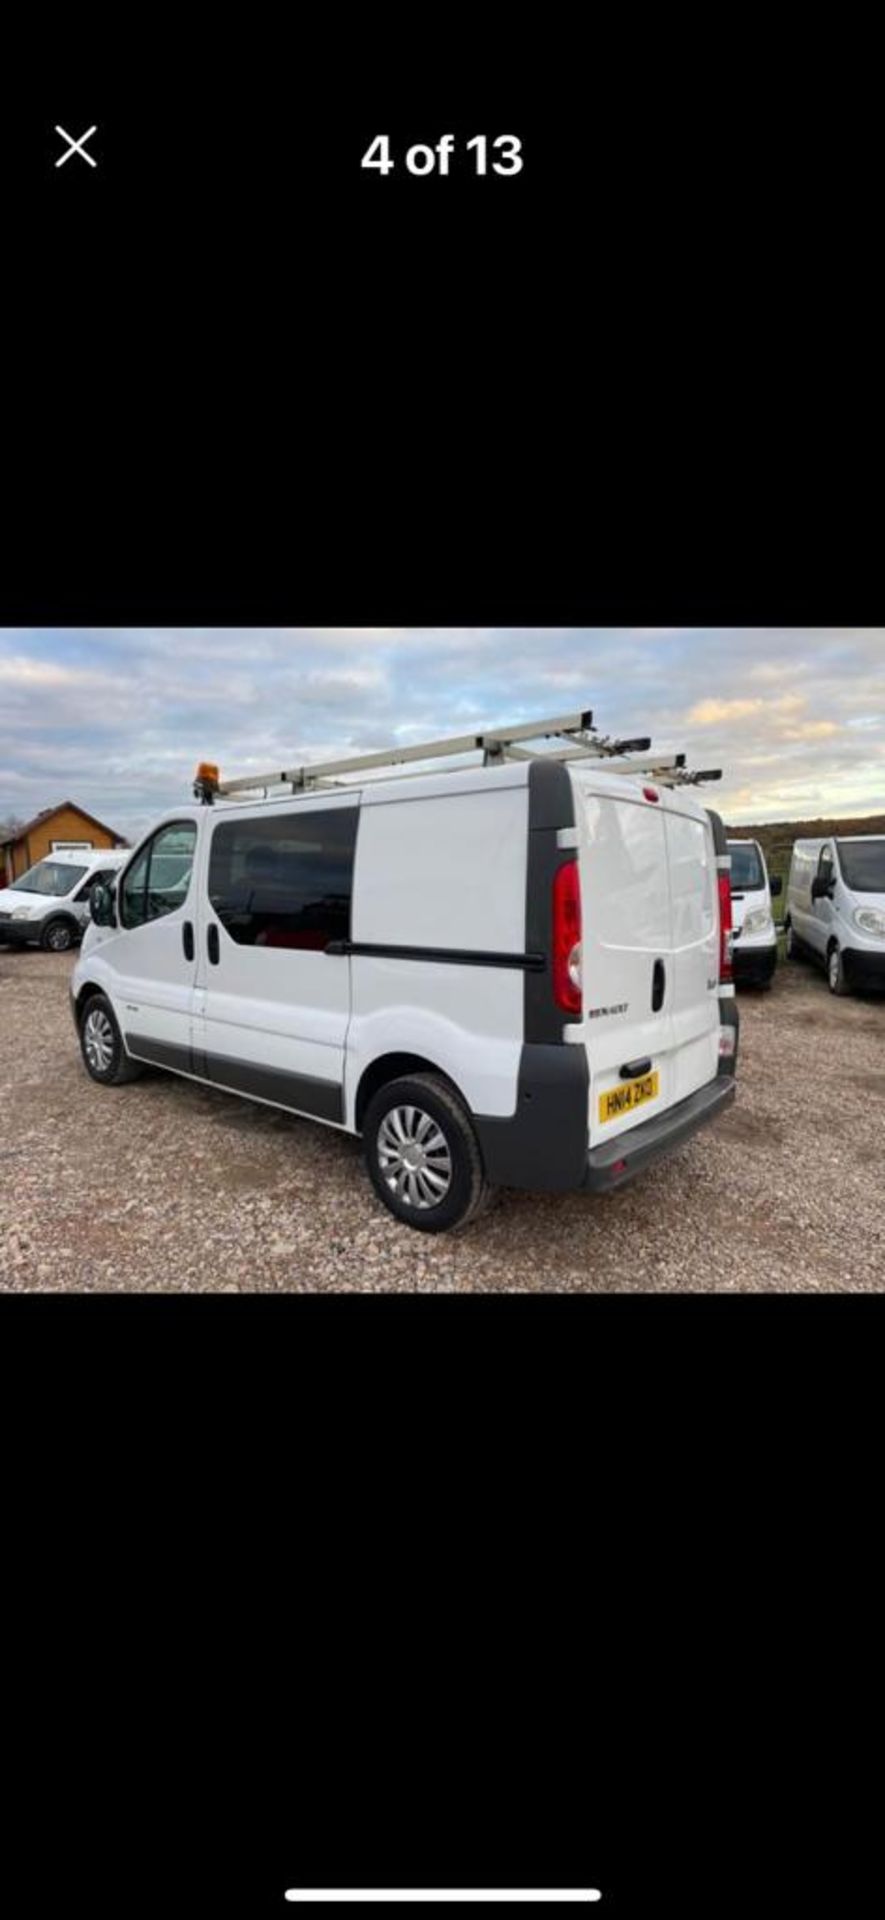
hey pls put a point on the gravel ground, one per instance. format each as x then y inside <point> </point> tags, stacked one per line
<point>167,1186</point>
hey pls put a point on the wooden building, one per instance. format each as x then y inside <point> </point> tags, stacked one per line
<point>66,827</point>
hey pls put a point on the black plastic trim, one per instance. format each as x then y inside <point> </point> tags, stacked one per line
<point>543,1145</point>
<point>449,956</point>
<point>863,969</point>
<point>302,1092</point>
<point>753,965</point>
<point>159,1053</point>
<point>720,837</point>
<point>551,807</point>
<point>729,1017</point>
<point>617,1160</point>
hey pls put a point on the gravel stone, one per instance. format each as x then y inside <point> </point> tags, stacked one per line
<point>167,1186</point>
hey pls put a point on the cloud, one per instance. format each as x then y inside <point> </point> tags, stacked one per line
<point>708,713</point>
<point>118,718</point>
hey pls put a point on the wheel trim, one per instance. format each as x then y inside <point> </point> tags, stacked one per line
<point>834,966</point>
<point>98,1040</point>
<point>414,1157</point>
<point>58,938</point>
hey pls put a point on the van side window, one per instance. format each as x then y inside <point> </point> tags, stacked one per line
<point>285,881</point>
<point>158,881</point>
<point>825,864</point>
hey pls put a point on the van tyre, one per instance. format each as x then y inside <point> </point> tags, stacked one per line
<point>836,980</point>
<point>101,1044</point>
<point>794,947</point>
<point>423,1155</point>
<point>58,936</point>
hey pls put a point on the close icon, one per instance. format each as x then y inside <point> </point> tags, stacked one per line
<point>76,146</point>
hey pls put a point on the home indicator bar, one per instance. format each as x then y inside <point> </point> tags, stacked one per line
<point>445,1896</point>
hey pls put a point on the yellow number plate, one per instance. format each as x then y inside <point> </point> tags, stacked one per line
<point>630,1094</point>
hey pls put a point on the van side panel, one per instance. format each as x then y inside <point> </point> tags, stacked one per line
<point>443,873</point>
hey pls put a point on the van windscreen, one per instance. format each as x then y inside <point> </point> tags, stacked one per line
<point>863,865</point>
<point>746,866</point>
<point>54,878</point>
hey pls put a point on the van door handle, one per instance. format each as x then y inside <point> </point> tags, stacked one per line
<point>212,942</point>
<point>187,940</point>
<point>632,1069</point>
<point>658,986</point>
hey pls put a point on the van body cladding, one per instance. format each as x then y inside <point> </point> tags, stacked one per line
<point>544,1145</point>
<point>299,1092</point>
<point>728,1009</point>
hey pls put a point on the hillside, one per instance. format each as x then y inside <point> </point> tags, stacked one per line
<point>776,837</point>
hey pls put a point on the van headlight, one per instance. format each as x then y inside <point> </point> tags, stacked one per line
<point>21,913</point>
<point>869,919</point>
<point>759,921</point>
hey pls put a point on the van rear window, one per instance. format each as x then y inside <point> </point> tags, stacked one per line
<point>863,865</point>
<point>285,881</point>
<point>746,867</point>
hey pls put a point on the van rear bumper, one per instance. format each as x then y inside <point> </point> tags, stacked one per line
<point>615,1161</point>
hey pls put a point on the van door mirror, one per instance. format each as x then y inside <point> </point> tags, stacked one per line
<point>821,887</point>
<point>776,885</point>
<point>101,905</point>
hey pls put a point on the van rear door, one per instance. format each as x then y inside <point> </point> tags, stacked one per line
<point>650,948</point>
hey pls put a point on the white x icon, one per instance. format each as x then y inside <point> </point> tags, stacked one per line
<point>76,146</point>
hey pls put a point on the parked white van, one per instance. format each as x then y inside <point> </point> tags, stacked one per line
<point>49,905</point>
<point>514,974</point>
<point>754,937</point>
<point>836,908</point>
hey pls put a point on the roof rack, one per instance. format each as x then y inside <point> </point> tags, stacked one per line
<point>496,745</point>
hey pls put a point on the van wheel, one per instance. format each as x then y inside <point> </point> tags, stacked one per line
<point>58,937</point>
<point>794,949</point>
<point>836,980</point>
<point>101,1045</point>
<point>423,1155</point>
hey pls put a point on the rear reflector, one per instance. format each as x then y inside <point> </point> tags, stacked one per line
<point>725,934</point>
<point>566,944</point>
<point>727,1040</point>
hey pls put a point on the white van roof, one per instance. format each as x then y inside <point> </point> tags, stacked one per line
<point>84,856</point>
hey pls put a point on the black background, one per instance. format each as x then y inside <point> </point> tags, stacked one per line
<point>522,1591</point>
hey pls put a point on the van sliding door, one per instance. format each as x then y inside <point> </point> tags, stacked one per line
<point>273,1005</point>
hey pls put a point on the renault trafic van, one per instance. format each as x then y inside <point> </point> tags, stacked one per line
<point>49,905</point>
<point>513,975</point>
<point>754,937</point>
<point>836,908</point>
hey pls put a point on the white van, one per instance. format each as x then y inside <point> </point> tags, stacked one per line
<point>754,937</point>
<point>49,905</point>
<point>512,975</point>
<point>836,908</point>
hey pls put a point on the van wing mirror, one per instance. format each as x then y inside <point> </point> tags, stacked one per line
<point>101,905</point>
<point>821,887</point>
<point>776,885</point>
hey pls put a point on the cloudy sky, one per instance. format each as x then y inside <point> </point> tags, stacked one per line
<point>117,719</point>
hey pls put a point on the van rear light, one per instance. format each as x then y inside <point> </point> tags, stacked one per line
<point>725,933</point>
<point>567,937</point>
<point>727,1043</point>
